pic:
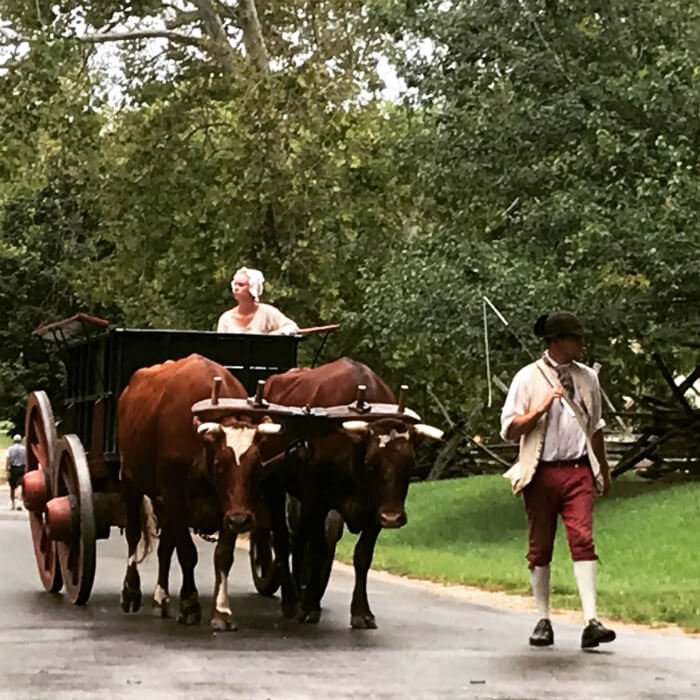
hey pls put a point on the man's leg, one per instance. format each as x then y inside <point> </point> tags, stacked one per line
<point>541,505</point>
<point>577,514</point>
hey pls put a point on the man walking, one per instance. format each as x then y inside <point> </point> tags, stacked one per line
<point>15,463</point>
<point>553,409</point>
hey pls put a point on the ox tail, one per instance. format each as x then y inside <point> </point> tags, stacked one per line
<point>149,530</point>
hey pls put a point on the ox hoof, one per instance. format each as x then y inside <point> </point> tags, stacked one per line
<point>190,618</point>
<point>223,624</point>
<point>162,608</point>
<point>363,622</point>
<point>290,609</point>
<point>309,617</point>
<point>190,611</point>
<point>290,603</point>
<point>131,599</point>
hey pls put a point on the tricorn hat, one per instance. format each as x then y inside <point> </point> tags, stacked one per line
<point>558,324</point>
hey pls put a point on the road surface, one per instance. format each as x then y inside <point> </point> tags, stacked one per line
<point>429,645</point>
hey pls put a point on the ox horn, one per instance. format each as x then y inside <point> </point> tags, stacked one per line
<point>428,431</point>
<point>269,428</point>
<point>206,427</point>
<point>355,426</point>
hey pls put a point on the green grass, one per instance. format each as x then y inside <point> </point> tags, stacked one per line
<point>473,531</point>
<point>5,439</point>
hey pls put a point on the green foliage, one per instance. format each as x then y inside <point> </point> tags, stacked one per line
<point>558,170</point>
<point>473,531</point>
<point>543,155</point>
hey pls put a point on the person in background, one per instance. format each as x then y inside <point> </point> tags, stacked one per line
<point>15,464</point>
<point>553,409</point>
<point>250,315</point>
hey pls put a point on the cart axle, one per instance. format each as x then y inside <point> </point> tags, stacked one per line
<point>62,518</point>
<point>35,490</point>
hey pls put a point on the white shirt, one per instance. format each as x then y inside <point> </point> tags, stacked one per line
<point>266,319</point>
<point>563,438</point>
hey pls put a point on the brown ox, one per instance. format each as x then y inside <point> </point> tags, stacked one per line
<point>200,479</point>
<point>361,471</point>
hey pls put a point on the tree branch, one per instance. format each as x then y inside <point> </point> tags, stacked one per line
<point>182,19</point>
<point>220,45</point>
<point>140,34</point>
<point>252,35</point>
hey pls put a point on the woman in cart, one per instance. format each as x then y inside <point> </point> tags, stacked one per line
<point>250,315</point>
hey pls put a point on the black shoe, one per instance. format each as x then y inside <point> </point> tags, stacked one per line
<point>543,634</point>
<point>595,633</point>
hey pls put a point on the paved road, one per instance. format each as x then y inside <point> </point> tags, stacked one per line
<point>428,646</point>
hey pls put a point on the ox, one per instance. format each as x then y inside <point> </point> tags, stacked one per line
<point>200,479</point>
<point>362,471</point>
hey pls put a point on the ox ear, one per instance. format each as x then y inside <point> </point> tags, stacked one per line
<point>428,431</point>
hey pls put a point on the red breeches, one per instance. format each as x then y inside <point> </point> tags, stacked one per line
<point>568,491</point>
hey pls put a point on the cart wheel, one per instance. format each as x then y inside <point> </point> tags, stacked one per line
<point>333,528</point>
<point>262,562</point>
<point>71,519</point>
<point>40,430</point>
<point>333,531</point>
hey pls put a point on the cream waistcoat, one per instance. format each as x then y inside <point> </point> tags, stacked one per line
<point>540,378</point>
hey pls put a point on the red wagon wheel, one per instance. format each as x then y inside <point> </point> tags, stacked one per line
<point>262,562</point>
<point>71,519</point>
<point>40,430</point>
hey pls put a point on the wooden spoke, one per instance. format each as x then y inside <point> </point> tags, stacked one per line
<point>40,431</point>
<point>76,549</point>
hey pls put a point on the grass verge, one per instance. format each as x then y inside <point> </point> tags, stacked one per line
<point>473,531</point>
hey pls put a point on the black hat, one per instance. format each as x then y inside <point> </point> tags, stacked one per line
<point>558,324</point>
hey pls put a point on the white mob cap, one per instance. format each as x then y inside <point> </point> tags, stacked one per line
<point>256,280</point>
<point>16,438</point>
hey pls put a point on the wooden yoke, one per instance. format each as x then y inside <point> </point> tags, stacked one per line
<point>216,390</point>
<point>402,397</point>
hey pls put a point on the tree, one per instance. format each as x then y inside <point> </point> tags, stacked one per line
<point>558,171</point>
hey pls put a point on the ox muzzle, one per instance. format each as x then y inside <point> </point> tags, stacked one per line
<point>392,519</point>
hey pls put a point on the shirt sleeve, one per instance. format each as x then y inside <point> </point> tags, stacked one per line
<point>222,324</point>
<point>517,401</point>
<point>279,324</point>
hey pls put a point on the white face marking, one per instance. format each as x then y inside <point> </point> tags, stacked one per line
<point>222,604</point>
<point>239,439</point>
<point>160,594</point>
<point>132,560</point>
<point>384,440</point>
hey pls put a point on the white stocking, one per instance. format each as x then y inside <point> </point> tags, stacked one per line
<point>539,578</point>
<point>584,573</point>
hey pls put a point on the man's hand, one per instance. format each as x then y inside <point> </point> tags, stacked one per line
<point>525,423</point>
<point>556,392</point>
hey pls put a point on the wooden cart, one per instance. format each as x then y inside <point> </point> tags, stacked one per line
<point>71,486</point>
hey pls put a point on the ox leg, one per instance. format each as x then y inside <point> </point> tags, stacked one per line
<point>221,615</point>
<point>313,542</point>
<point>280,538</point>
<point>131,591</point>
<point>190,608</point>
<point>161,595</point>
<point>361,616</point>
